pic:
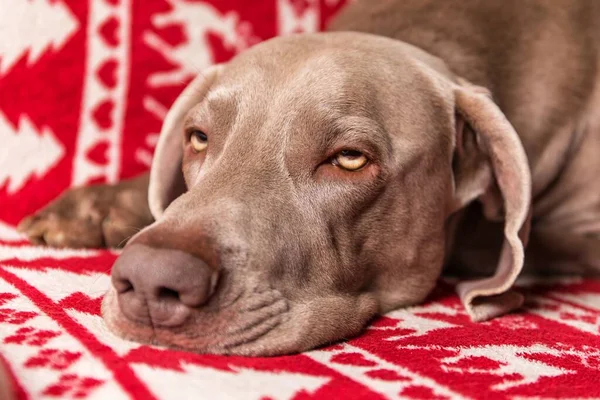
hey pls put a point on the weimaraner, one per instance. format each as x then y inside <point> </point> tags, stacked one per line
<point>330,177</point>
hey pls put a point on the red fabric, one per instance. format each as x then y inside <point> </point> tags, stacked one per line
<point>83,88</point>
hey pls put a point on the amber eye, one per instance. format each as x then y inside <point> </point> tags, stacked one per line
<point>198,140</point>
<point>350,160</point>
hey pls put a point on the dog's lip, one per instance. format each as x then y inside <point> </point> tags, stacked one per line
<point>168,318</point>
<point>242,321</point>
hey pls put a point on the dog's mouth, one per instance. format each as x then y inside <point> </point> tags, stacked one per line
<point>234,327</point>
<point>260,322</point>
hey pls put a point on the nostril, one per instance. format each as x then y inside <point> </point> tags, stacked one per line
<point>123,285</point>
<point>164,293</point>
<point>161,286</point>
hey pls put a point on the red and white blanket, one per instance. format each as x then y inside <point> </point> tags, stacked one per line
<point>84,86</point>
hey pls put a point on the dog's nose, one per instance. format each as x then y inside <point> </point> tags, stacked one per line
<point>161,286</point>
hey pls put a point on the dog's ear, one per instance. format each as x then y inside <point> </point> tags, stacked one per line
<point>490,165</point>
<point>166,177</point>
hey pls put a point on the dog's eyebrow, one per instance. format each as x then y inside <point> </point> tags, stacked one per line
<point>218,109</point>
<point>359,130</point>
<point>191,120</point>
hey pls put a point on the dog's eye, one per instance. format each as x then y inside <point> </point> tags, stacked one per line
<point>198,140</point>
<point>350,160</point>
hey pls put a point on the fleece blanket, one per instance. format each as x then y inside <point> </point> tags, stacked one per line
<point>84,85</point>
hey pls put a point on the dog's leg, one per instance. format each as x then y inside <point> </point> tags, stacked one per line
<point>93,216</point>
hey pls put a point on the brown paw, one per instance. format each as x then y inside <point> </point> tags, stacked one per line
<point>90,217</point>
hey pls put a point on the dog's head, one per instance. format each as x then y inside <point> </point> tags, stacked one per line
<point>320,173</point>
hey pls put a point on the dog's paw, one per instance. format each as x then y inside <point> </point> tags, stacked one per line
<point>90,217</point>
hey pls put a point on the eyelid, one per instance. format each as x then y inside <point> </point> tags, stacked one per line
<point>364,147</point>
<point>357,140</point>
<point>194,123</point>
<point>188,131</point>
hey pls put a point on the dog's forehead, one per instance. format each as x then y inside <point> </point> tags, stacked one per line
<point>255,93</point>
<point>308,83</point>
<point>327,67</point>
<point>320,75</point>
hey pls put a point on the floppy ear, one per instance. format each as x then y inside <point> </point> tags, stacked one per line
<point>491,166</point>
<point>166,177</point>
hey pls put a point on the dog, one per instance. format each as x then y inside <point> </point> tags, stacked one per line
<point>318,180</point>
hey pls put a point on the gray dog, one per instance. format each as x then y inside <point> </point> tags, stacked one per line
<point>330,177</point>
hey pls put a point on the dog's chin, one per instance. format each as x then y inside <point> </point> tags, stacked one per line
<point>267,327</point>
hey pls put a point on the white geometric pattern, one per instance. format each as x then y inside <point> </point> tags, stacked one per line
<point>36,152</point>
<point>512,359</point>
<point>49,25</point>
<point>96,94</point>
<point>390,388</point>
<point>242,383</point>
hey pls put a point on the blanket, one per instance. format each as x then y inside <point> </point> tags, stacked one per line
<point>84,86</point>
